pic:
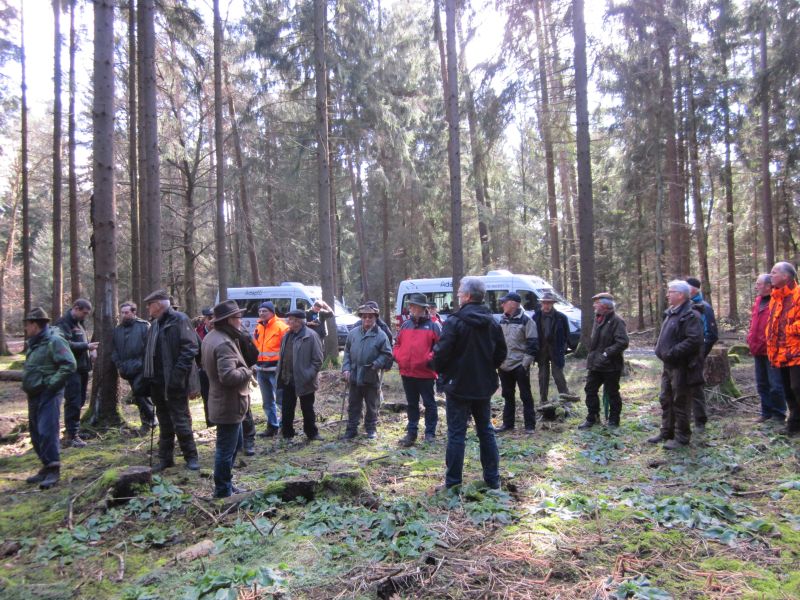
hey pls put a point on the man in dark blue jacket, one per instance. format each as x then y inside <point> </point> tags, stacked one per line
<point>468,354</point>
<point>710,337</point>
<point>130,338</point>
<point>553,330</point>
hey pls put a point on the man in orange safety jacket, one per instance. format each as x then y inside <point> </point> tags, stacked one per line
<point>267,338</point>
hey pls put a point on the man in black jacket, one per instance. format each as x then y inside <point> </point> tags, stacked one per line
<point>468,354</point>
<point>710,337</point>
<point>604,363</point>
<point>71,325</point>
<point>553,330</point>
<point>680,348</point>
<point>169,353</point>
<point>130,339</point>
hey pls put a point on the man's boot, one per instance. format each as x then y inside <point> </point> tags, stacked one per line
<point>38,478</point>
<point>249,448</point>
<point>588,423</point>
<point>72,441</point>
<point>52,473</point>
<point>656,439</point>
<point>408,440</point>
<point>163,463</point>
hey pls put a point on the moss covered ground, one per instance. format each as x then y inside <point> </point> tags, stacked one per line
<point>597,514</point>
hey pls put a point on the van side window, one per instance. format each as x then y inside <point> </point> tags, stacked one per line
<point>492,298</point>
<point>303,304</point>
<point>282,306</point>
<point>529,300</point>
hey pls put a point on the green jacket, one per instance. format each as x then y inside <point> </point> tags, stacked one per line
<point>48,362</point>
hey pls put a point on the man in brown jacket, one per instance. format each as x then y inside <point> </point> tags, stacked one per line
<point>229,391</point>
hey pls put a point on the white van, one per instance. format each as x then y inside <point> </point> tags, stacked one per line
<point>289,295</point>
<point>498,284</point>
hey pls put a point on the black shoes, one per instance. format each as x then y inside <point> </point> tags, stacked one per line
<point>315,438</point>
<point>50,478</point>
<point>504,429</point>
<point>193,464</point>
<point>430,437</point>
<point>656,439</point>
<point>408,440</point>
<point>38,478</point>
<point>587,424</point>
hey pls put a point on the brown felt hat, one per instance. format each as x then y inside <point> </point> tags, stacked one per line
<point>226,309</point>
<point>548,297</point>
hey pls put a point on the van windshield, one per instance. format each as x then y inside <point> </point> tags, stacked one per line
<point>250,306</point>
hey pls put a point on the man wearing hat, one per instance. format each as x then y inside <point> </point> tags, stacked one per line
<point>710,337</point>
<point>604,363</point>
<point>413,352</point>
<point>229,390</point>
<point>366,352</point>
<point>553,329</point>
<point>267,338</point>
<point>298,366</point>
<point>48,363</point>
<point>171,348</point>
<point>205,325</point>
<point>130,339</point>
<point>680,348</point>
<point>522,342</point>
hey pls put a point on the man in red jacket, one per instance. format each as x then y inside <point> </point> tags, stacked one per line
<point>413,351</point>
<point>768,378</point>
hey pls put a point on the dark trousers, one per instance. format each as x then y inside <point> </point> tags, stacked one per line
<point>360,396</point>
<point>610,382</point>
<point>43,415</point>
<point>306,407</point>
<point>509,380</point>
<point>249,429</point>
<point>74,399</point>
<point>416,387</point>
<point>147,412</point>
<point>174,420</point>
<point>791,389</point>
<point>675,400</point>
<point>548,366</point>
<point>458,412</point>
<point>769,384</point>
<point>204,387</point>
<point>229,440</point>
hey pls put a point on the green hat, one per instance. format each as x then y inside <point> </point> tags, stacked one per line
<point>37,314</point>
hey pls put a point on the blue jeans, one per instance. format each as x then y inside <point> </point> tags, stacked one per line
<point>74,399</point>
<point>415,387</point>
<point>267,383</point>
<point>229,440</point>
<point>458,414</point>
<point>43,415</point>
<point>770,389</point>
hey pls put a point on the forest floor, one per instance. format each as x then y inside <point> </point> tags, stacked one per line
<point>596,514</point>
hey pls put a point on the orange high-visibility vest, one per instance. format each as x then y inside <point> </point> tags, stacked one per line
<point>783,326</point>
<point>267,339</point>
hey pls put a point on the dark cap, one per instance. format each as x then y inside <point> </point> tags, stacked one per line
<point>207,312</point>
<point>548,297</point>
<point>603,296</point>
<point>418,299</point>
<point>268,305</point>
<point>693,281</point>
<point>155,296</point>
<point>367,309</point>
<point>37,314</point>
<point>297,314</point>
<point>511,296</point>
<point>226,309</point>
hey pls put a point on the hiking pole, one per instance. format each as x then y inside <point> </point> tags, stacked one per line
<point>152,433</point>
<point>344,399</point>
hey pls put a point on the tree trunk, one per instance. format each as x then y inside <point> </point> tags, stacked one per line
<point>386,250</point>
<point>222,262</point>
<point>136,270</point>
<point>74,264</point>
<point>544,126</point>
<point>58,283</point>
<point>8,258</point>
<point>151,249</point>
<point>104,385</point>
<point>26,227</point>
<point>454,148</point>
<point>255,274</point>
<point>766,185</point>
<point>733,310</point>
<point>355,187</point>
<point>323,168</point>
<point>585,206</point>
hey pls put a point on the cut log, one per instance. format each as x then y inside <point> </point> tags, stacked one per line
<point>198,550</point>
<point>11,375</point>
<point>717,369</point>
<point>127,484</point>
<point>739,350</point>
<point>395,407</point>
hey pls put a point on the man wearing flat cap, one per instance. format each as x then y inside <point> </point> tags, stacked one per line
<point>553,328</point>
<point>229,390</point>
<point>129,341</point>
<point>171,348</point>
<point>680,348</point>
<point>413,352</point>
<point>522,342</point>
<point>267,338</point>
<point>49,361</point>
<point>366,352</point>
<point>604,363</point>
<point>298,366</point>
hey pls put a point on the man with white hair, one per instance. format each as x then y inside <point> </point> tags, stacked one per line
<point>169,353</point>
<point>680,348</point>
<point>783,338</point>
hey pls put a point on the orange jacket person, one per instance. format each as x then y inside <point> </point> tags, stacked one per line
<point>267,339</point>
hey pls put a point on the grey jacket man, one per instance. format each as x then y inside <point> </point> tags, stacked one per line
<point>522,340</point>
<point>228,378</point>
<point>307,358</point>
<point>365,354</point>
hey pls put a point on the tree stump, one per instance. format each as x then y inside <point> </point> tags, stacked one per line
<point>11,375</point>
<point>125,486</point>
<point>395,407</point>
<point>717,369</point>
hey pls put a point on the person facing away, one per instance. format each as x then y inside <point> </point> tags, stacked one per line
<point>710,337</point>
<point>468,354</point>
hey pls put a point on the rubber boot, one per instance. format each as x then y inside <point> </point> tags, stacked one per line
<point>38,478</point>
<point>52,474</point>
<point>408,440</point>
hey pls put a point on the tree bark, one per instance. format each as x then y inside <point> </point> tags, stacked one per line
<point>133,179</point>
<point>323,168</point>
<point>104,386</point>
<point>26,227</point>
<point>544,126</point>
<point>454,148</point>
<point>766,185</point>
<point>355,187</point>
<point>733,310</point>
<point>74,258</point>
<point>222,263</point>
<point>585,205</point>
<point>8,258</point>
<point>58,282</point>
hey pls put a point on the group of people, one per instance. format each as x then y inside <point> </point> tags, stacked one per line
<point>467,357</point>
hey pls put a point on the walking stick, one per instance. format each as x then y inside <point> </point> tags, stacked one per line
<point>344,399</point>
<point>152,432</point>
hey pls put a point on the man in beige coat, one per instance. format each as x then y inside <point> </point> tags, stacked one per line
<point>229,391</point>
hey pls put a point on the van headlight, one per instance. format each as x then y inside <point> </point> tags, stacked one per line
<point>576,324</point>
